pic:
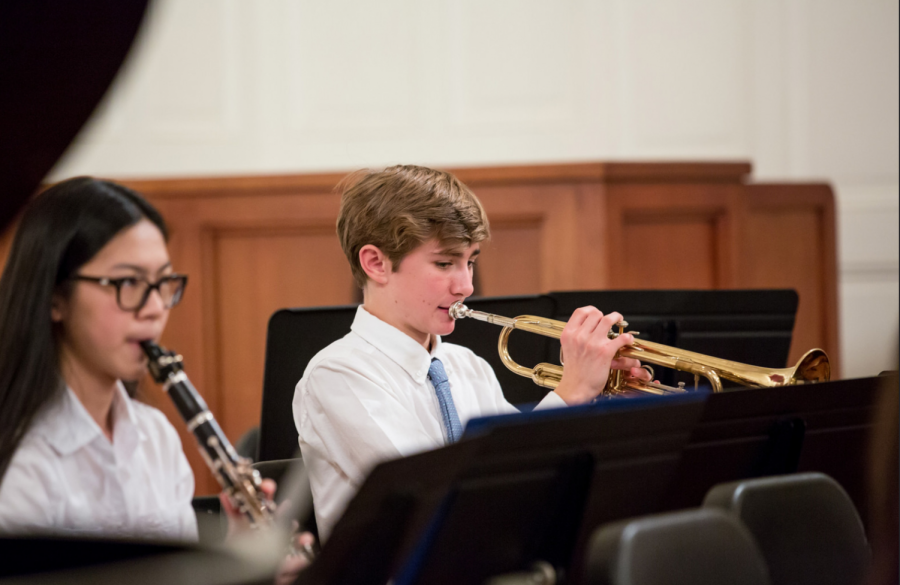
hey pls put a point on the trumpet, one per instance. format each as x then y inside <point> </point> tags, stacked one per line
<point>812,367</point>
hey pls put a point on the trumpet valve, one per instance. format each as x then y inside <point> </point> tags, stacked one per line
<point>621,325</point>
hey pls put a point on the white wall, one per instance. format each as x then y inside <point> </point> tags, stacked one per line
<point>806,89</point>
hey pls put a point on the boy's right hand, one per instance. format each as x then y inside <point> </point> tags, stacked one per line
<point>590,354</point>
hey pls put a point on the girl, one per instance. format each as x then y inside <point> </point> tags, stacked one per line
<point>88,278</point>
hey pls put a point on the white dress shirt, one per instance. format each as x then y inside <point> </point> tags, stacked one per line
<point>67,478</point>
<point>366,398</point>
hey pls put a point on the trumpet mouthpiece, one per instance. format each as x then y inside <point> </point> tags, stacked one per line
<point>458,310</point>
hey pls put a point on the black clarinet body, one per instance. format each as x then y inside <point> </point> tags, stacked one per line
<point>234,473</point>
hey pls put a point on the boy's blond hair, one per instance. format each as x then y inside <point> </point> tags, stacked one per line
<point>402,207</point>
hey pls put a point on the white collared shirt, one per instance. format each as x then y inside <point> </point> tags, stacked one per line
<point>67,478</point>
<point>366,398</point>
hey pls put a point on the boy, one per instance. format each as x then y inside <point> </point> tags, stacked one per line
<point>391,388</point>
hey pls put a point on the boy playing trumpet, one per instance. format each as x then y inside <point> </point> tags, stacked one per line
<point>390,388</point>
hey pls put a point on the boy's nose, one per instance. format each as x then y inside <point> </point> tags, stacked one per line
<point>462,285</point>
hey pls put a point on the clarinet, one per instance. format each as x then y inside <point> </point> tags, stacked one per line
<point>239,480</point>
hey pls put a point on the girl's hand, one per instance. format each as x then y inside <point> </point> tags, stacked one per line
<point>237,520</point>
<point>303,543</point>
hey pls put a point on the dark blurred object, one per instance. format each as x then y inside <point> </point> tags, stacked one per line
<point>26,555</point>
<point>884,454</point>
<point>69,560</point>
<point>57,59</point>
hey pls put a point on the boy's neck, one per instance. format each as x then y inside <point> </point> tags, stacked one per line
<point>385,311</point>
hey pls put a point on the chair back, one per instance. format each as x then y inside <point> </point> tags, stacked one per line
<point>692,547</point>
<point>293,338</point>
<point>805,524</point>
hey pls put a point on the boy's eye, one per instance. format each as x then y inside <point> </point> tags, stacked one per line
<point>444,264</point>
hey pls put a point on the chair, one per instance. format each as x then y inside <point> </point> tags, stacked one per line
<point>693,547</point>
<point>276,470</point>
<point>212,524</point>
<point>805,524</point>
<point>294,336</point>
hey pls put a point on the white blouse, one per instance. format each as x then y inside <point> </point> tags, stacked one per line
<point>67,478</point>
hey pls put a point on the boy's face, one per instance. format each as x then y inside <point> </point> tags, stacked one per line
<point>430,279</point>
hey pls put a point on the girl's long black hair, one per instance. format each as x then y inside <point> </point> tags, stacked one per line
<point>60,231</point>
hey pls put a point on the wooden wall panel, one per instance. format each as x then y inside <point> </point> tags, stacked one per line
<point>536,248</point>
<point>258,272</point>
<point>252,245</point>
<point>789,242</point>
<point>669,252</point>
<point>673,236</point>
<point>508,262</point>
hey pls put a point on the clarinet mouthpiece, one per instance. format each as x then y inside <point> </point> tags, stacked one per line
<point>153,351</point>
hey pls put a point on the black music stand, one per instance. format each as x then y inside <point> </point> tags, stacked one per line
<point>519,489</point>
<point>743,434</point>
<point>736,435</point>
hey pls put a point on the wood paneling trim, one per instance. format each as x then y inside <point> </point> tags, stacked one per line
<point>613,172</point>
<point>235,186</point>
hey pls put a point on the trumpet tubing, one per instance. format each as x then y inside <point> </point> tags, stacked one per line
<point>812,367</point>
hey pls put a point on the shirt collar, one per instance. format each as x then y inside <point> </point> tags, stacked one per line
<point>67,426</point>
<point>396,345</point>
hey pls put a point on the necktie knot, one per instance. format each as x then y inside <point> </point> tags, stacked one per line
<point>441,383</point>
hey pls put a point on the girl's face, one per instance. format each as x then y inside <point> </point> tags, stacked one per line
<point>99,339</point>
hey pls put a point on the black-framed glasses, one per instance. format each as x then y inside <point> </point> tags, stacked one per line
<point>132,292</point>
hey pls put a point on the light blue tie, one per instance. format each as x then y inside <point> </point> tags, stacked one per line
<point>438,378</point>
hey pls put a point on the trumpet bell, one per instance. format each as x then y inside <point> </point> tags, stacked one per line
<point>812,367</point>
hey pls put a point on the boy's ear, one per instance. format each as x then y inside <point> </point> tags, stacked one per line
<point>375,263</point>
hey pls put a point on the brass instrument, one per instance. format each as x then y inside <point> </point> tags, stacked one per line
<point>812,367</point>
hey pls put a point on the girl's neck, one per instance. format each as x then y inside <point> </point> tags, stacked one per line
<point>96,392</point>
